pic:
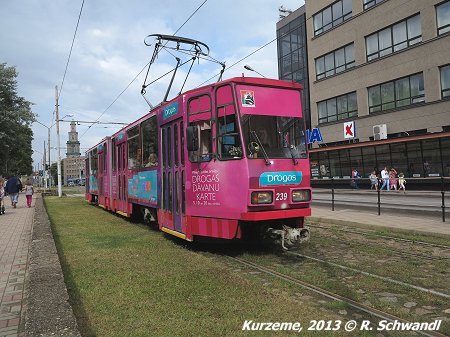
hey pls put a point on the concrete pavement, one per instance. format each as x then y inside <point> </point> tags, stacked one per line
<point>410,222</point>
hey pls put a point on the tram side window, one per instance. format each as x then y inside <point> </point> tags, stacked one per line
<point>134,152</point>
<point>113,154</point>
<point>150,142</point>
<point>93,161</point>
<point>228,136</point>
<point>105,157</point>
<point>200,117</point>
<point>228,139</point>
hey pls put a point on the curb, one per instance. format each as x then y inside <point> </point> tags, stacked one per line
<point>48,309</point>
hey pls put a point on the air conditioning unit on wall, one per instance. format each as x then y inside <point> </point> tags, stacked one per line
<point>379,132</point>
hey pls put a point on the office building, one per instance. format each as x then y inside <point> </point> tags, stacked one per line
<point>379,86</point>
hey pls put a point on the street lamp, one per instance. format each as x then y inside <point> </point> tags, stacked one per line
<point>59,141</point>
<point>251,69</point>
<point>48,140</point>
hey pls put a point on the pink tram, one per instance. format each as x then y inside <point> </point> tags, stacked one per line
<point>218,161</point>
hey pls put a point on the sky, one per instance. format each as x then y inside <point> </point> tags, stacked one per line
<point>109,52</point>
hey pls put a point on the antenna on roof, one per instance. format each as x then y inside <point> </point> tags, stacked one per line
<point>283,12</point>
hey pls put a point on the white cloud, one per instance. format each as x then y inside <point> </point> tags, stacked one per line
<point>109,52</point>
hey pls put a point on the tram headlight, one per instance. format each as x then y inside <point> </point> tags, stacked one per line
<point>262,197</point>
<point>301,195</point>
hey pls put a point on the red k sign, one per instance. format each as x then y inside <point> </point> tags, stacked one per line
<point>349,130</point>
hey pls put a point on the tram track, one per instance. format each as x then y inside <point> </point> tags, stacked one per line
<point>327,294</point>
<point>384,278</point>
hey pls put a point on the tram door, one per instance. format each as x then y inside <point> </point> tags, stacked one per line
<point>121,178</point>
<point>173,198</point>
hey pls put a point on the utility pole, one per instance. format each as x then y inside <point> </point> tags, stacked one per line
<point>44,173</point>
<point>48,146</point>
<point>58,144</point>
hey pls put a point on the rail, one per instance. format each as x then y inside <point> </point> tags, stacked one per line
<point>330,183</point>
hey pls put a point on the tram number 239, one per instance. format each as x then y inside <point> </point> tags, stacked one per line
<point>281,196</point>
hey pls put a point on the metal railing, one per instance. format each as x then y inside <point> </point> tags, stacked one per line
<point>344,184</point>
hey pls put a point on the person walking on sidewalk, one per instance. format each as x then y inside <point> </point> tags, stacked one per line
<point>13,187</point>
<point>401,182</point>
<point>355,176</point>
<point>393,179</point>
<point>373,181</point>
<point>385,177</point>
<point>29,191</point>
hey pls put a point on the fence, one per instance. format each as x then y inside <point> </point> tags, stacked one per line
<point>339,184</point>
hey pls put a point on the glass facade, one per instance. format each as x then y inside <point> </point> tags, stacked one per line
<point>394,38</point>
<point>337,108</point>
<point>292,59</point>
<point>335,62</point>
<point>445,81</point>
<point>415,159</point>
<point>401,92</point>
<point>443,17</point>
<point>332,15</point>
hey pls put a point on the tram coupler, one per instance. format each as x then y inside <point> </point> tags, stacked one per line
<point>290,237</point>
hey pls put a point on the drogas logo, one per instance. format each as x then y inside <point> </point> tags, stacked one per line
<point>280,178</point>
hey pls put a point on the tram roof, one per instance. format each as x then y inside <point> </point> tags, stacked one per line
<point>255,81</point>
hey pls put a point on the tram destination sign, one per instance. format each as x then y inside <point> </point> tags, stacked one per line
<point>170,111</point>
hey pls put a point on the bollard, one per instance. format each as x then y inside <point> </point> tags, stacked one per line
<point>443,198</point>
<point>332,194</point>
<point>379,201</point>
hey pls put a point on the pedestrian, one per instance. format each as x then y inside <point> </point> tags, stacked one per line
<point>12,188</point>
<point>393,179</point>
<point>401,182</point>
<point>29,191</point>
<point>2,195</point>
<point>355,176</point>
<point>373,181</point>
<point>385,177</point>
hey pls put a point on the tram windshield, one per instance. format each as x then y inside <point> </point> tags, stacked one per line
<point>273,136</point>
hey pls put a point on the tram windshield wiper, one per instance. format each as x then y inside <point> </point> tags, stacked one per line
<point>266,157</point>
<point>291,150</point>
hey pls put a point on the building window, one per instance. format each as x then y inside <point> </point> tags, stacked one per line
<point>401,92</point>
<point>443,17</point>
<point>331,16</point>
<point>338,108</point>
<point>335,62</point>
<point>445,81</point>
<point>370,3</point>
<point>394,38</point>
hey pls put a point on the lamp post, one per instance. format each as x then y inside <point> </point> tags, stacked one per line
<point>58,141</point>
<point>251,69</point>
<point>48,142</point>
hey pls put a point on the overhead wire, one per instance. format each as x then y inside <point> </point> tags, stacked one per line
<point>146,65</point>
<point>71,48</point>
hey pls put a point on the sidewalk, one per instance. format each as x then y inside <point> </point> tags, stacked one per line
<point>15,237</point>
<point>413,222</point>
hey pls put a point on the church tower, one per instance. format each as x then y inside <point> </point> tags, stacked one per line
<point>73,145</point>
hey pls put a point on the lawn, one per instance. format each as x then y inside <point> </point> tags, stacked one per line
<point>125,279</point>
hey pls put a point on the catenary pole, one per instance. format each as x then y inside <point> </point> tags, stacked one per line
<point>58,144</point>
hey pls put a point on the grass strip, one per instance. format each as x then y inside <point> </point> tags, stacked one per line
<point>125,279</point>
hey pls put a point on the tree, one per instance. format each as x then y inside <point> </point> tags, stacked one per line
<point>54,171</point>
<point>15,126</point>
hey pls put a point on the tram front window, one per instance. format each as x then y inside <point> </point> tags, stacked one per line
<point>278,137</point>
